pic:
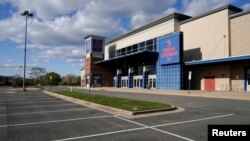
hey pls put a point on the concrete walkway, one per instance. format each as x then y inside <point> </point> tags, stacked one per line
<point>239,95</point>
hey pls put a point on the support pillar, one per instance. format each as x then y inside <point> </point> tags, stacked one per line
<point>118,78</point>
<point>145,76</point>
<point>130,77</point>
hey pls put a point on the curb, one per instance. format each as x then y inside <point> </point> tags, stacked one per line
<point>115,111</point>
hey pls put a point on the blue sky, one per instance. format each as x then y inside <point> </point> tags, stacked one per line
<point>57,30</point>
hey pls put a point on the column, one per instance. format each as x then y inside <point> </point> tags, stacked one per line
<point>145,76</point>
<point>130,77</point>
<point>118,78</point>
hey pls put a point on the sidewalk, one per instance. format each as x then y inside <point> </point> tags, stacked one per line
<point>239,95</point>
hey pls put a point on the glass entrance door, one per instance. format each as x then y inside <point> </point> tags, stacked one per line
<point>248,80</point>
<point>137,82</point>
<point>152,81</point>
<point>124,81</point>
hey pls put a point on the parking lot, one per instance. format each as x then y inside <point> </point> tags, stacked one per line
<point>39,117</point>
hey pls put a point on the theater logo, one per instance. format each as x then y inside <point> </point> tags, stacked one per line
<point>170,50</point>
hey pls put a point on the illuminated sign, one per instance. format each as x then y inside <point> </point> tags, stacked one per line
<point>97,45</point>
<point>170,49</point>
<point>88,45</point>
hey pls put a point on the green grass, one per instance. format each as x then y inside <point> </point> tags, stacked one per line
<point>120,103</point>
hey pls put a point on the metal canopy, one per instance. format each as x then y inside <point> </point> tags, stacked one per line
<point>142,57</point>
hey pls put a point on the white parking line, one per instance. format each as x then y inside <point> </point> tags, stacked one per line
<point>188,121</point>
<point>145,127</point>
<point>102,134</point>
<point>32,106</point>
<point>151,127</point>
<point>169,133</point>
<point>24,96</point>
<point>55,121</point>
<point>78,109</point>
<point>58,100</point>
<point>24,99</point>
<point>54,105</point>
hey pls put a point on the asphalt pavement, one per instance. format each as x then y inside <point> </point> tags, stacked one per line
<point>36,116</point>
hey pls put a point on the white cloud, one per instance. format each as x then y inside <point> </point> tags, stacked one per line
<point>169,11</point>
<point>47,9</point>
<point>12,67</point>
<point>246,7</point>
<point>197,7</point>
<point>149,14</point>
<point>59,26</point>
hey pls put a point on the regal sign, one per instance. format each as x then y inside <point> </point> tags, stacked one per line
<point>171,49</point>
<point>97,45</point>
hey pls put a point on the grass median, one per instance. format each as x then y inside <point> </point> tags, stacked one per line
<point>120,103</point>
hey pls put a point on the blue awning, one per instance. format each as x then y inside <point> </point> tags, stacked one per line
<point>220,60</point>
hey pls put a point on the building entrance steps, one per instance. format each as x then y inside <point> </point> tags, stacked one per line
<point>237,95</point>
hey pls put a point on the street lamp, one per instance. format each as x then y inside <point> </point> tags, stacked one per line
<point>26,14</point>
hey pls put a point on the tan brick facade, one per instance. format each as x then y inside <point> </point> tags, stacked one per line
<point>106,74</point>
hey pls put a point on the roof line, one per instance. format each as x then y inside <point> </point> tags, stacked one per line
<point>95,36</point>
<point>217,60</point>
<point>239,14</point>
<point>174,15</point>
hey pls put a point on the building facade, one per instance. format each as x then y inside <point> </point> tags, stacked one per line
<point>213,47</point>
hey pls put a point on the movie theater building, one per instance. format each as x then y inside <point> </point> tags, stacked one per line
<point>207,52</point>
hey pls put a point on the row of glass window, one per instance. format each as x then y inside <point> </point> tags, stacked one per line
<point>138,70</point>
<point>146,45</point>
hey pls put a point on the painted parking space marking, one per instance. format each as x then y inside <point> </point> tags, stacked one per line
<point>146,127</point>
<point>159,130</point>
<point>35,106</point>
<point>68,110</point>
<point>17,103</point>
<point>102,134</point>
<point>56,121</point>
<point>25,99</point>
<point>169,133</point>
<point>24,96</point>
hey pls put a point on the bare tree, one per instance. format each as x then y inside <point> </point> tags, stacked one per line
<point>37,73</point>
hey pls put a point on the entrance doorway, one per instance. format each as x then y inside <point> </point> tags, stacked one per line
<point>209,83</point>
<point>248,80</point>
<point>137,82</point>
<point>124,81</point>
<point>152,81</point>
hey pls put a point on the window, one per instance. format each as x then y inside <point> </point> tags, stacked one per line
<point>135,48</point>
<point>112,51</point>
<point>97,80</point>
<point>152,69</point>
<point>149,44</point>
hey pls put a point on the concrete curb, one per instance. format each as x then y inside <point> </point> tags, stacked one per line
<point>116,111</point>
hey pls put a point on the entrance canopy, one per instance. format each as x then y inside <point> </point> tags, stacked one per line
<point>234,59</point>
<point>141,57</point>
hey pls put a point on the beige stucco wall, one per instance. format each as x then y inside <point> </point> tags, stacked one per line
<point>221,73</point>
<point>237,77</point>
<point>153,32</point>
<point>209,35</point>
<point>240,35</point>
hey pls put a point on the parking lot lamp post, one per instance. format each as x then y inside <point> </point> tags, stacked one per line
<point>26,14</point>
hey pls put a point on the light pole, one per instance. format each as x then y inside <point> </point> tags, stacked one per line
<point>26,14</point>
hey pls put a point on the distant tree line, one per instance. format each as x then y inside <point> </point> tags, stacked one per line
<point>39,77</point>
